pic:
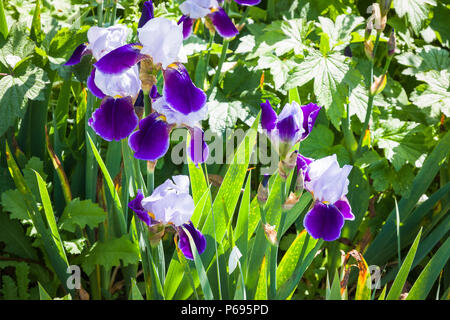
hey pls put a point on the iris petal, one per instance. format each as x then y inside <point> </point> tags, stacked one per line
<point>77,54</point>
<point>198,149</point>
<point>142,214</point>
<point>268,116</point>
<point>344,207</point>
<point>115,119</point>
<point>303,166</point>
<point>93,87</point>
<point>310,113</point>
<point>151,141</point>
<point>324,221</point>
<point>223,24</point>
<point>248,2</point>
<point>187,26</point>
<point>121,59</point>
<point>180,92</point>
<point>288,129</point>
<point>147,13</point>
<point>197,236</point>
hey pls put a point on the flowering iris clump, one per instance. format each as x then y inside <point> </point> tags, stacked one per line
<point>115,119</point>
<point>328,183</point>
<point>115,79</point>
<point>171,206</point>
<point>198,9</point>
<point>291,126</point>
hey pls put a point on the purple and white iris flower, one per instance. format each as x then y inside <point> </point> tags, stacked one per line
<point>328,183</point>
<point>171,205</point>
<point>292,125</point>
<point>168,115</point>
<point>115,119</point>
<point>197,9</point>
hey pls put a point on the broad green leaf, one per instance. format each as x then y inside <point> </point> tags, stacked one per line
<point>436,96</point>
<point>15,89</point>
<point>13,236</point>
<point>328,73</point>
<point>112,252</point>
<point>339,32</point>
<point>416,10</point>
<point>81,213</point>
<point>400,279</point>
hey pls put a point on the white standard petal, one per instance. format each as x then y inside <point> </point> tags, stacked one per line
<point>171,202</point>
<point>162,39</point>
<point>195,9</point>
<point>329,182</point>
<point>103,40</point>
<point>235,255</point>
<point>126,84</point>
<point>174,117</point>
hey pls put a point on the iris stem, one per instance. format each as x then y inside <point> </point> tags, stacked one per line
<point>271,9</point>
<point>113,16</point>
<point>208,55</point>
<point>222,58</point>
<point>274,249</point>
<point>371,96</point>
<point>100,12</point>
<point>349,138</point>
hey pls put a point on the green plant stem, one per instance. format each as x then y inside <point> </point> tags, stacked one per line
<point>349,138</point>
<point>270,9</point>
<point>223,55</point>
<point>114,12</point>
<point>208,55</point>
<point>371,96</point>
<point>274,249</point>
<point>100,13</point>
<point>3,24</point>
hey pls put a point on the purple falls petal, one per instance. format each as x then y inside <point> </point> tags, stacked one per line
<point>310,113</point>
<point>324,221</point>
<point>198,149</point>
<point>344,207</point>
<point>187,25</point>
<point>303,166</point>
<point>142,214</point>
<point>268,116</point>
<point>197,236</point>
<point>154,94</point>
<point>93,87</point>
<point>287,129</point>
<point>180,92</point>
<point>147,13</point>
<point>223,24</point>
<point>77,54</point>
<point>151,141</point>
<point>115,119</point>
<point>248,2</point>
<point>120,59</point>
